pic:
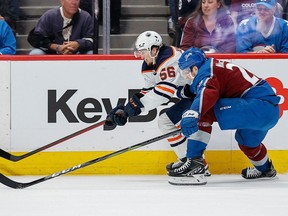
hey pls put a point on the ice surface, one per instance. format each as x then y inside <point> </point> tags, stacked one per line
<point>145,195</point>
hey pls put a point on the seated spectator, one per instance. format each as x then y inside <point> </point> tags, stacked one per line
<point>209,28</point>
<point>64,30</point>
<point>263,32</point>
<point>7,39</point>
<point>243,9</point>
<point>9,11</point>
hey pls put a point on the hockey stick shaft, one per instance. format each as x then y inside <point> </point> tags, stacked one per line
<point>18,185</point>
<point>16,158</point>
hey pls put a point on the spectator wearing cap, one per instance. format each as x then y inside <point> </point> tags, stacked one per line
<point>243,9</point>
<point>263,32</point>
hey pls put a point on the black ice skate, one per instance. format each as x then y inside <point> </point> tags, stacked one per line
<point>180,162</point>
<point>175,165</point>
<point>253,173</point>
<point>190,173</point>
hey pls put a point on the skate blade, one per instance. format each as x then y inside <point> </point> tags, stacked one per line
<point>191,180</point>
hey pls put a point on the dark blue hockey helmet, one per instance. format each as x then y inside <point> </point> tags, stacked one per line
<point>191,57</point>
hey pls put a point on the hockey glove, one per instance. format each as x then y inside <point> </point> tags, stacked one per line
<point>184,92</point>
<point>189,122</point>
<point>133,107</point>
<point>117,116</point>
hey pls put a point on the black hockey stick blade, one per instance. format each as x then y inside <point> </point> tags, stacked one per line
<point>18,185</point>
<point>16,158</point>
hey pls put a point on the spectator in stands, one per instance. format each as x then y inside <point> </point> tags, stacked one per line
<point>64,30</point>
<point>9,11</point>
<point>209,28</point>
<point>263,32</point>
<point>243,9</point>
<point>7,39</point>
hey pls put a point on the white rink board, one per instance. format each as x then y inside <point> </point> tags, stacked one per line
<point>109,80</point>
<point>5,103</point>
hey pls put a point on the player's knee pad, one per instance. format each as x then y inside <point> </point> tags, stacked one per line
<point>165,124</point>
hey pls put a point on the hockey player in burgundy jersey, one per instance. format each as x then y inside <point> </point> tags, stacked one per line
<point>162,80</point>
<point>236,99</point>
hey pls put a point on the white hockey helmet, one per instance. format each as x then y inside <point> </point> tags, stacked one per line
<point>147,40</point>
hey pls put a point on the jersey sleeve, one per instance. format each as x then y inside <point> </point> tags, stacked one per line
<point>206,97</point>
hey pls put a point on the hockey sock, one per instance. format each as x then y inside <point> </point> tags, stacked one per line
<point>258,156</point>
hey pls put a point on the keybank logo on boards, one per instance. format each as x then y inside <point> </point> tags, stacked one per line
<point>90,110</point>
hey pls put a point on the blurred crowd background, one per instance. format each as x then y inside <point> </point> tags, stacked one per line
<point>111,26</point>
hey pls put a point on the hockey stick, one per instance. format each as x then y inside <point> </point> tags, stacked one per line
<point>15,158</point>
<point>18,185</point>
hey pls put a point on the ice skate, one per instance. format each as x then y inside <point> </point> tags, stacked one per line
<point>180,162</point>
<point>253,173</point>
<point>176,164</point>
<point>190,173</point>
